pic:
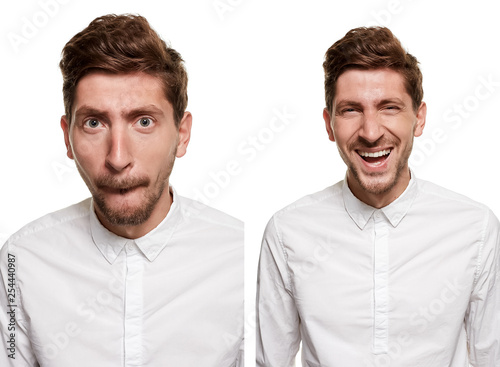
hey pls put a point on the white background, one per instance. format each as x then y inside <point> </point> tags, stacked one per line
<point>245,60</point>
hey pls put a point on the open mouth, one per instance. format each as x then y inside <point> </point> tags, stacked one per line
<point>375,158</point>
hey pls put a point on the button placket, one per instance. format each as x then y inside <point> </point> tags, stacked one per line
<point>133,306</point>
<point>380,281</point>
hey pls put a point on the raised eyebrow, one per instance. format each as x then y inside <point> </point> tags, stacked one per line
<point>146,110</point>
<point>87,110</point>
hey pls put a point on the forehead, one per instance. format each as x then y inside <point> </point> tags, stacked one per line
<point>108,91</point>
<point>370,85</point>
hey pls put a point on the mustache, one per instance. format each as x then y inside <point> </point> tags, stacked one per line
<point>363,143</point>
<point>112,182</point>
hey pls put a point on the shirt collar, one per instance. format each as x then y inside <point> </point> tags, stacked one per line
<point>360,212</point>
<point>151,244</point>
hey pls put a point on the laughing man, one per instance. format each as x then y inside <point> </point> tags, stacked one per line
<point>381,269</point>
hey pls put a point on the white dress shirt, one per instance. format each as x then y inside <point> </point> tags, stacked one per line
<point>414,284</point>
<point>87,297</point>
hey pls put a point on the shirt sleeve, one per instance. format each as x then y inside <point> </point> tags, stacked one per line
<point>482,319</point>
<point>278,322</point>
<point>16,346</point>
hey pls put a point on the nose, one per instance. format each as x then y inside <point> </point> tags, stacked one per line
<point>119,156</point>
<point>371,128</point>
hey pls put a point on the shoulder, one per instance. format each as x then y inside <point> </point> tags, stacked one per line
<point>204,226</point>
<point>202,213</point>
<point>57,221</point>
<point>327,202</point>
<point>445,196</point>
<point>455,207</point>
<point>329,197</point>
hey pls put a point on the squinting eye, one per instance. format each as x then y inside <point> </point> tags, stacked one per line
<point>145,122</point>
<point>93,123</point>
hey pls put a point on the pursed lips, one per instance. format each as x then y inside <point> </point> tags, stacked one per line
<point>118,190</point>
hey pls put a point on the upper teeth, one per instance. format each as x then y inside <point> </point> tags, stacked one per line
<point>376,154</point>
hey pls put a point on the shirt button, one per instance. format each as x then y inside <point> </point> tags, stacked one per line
<point>130,246</point>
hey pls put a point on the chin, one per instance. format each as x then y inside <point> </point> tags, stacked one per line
<point>376,184</point>
<point>127,216</point>
<point>378,188</point>
<point>127,211</point>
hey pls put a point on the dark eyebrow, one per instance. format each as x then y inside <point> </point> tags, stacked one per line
<point>345,102</point>
<point>144,110</point>
<point>391,100</point>
<point>87,110</point>
<point>90,111</point>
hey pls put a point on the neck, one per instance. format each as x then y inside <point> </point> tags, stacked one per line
<point>379,200</point>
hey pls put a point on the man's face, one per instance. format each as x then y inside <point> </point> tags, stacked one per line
<point>373,123</point>
<point>124,142</point>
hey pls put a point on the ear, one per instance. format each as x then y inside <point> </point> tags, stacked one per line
<point>65,126</point>
<point>184,134</point>
<point>328,124</point>
<point>421,115</point>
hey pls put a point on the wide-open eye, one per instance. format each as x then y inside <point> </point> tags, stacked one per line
<point>145,122</point>
<point>92,123</point>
